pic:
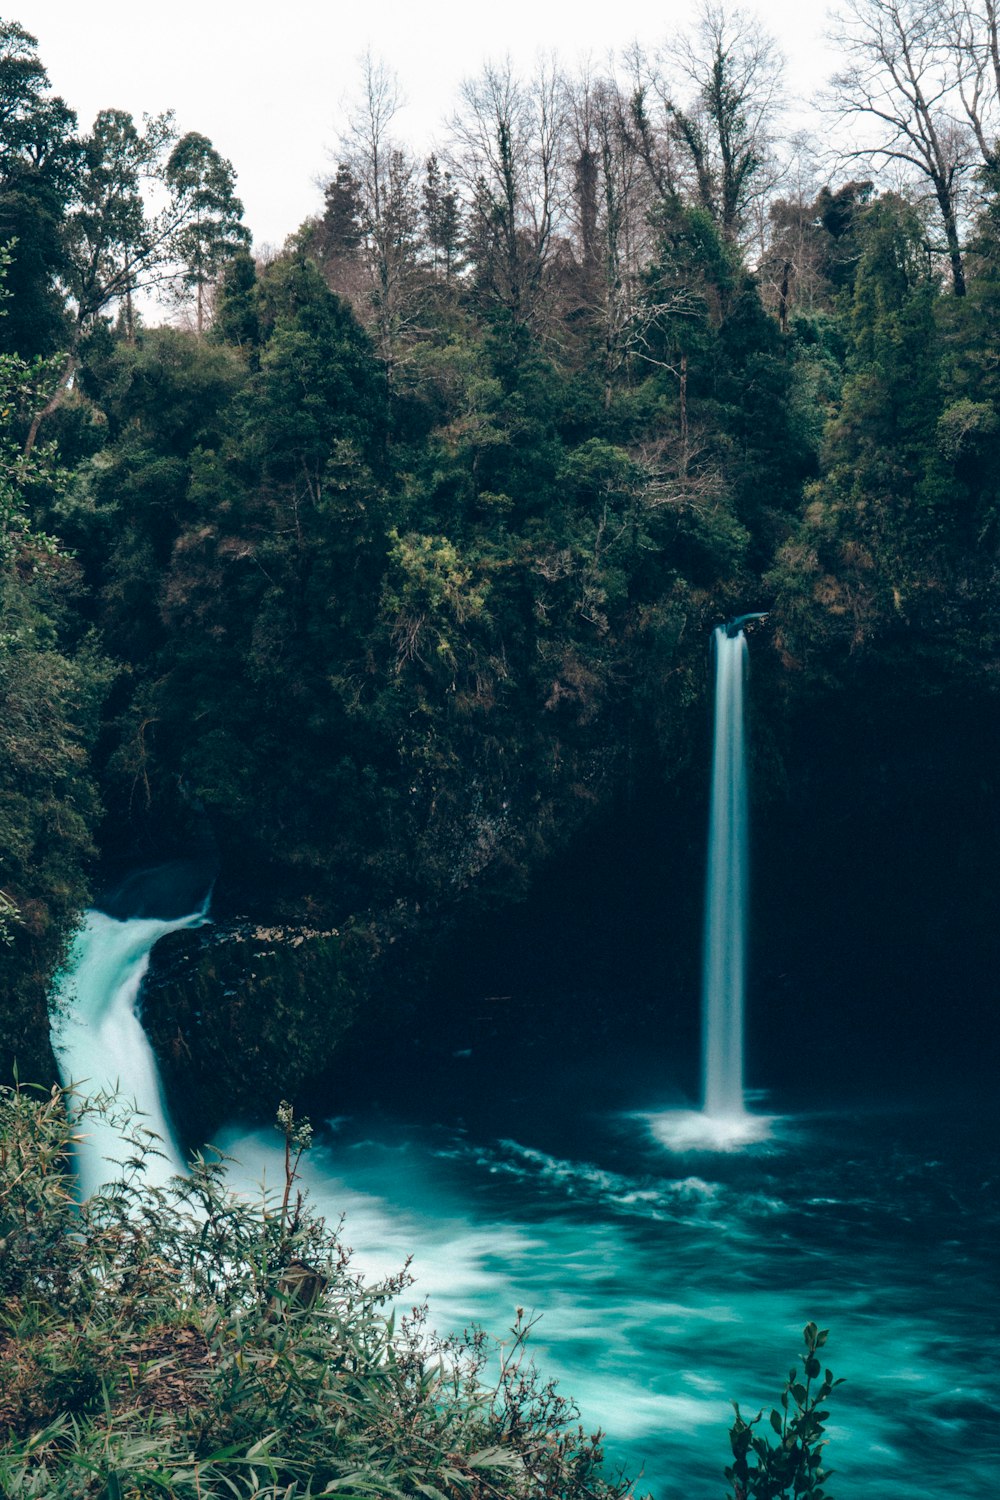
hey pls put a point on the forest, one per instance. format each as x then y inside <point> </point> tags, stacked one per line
<point>370,580</point>
<point>380,571</point>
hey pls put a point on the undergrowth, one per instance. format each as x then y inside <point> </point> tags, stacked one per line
<point>189,1342</point>
<point>195,1343</point>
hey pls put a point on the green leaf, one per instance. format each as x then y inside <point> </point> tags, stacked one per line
<point>492,1458</point>
<point>260,1448</point>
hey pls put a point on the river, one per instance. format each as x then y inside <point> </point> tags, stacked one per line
<point>666,1281</point>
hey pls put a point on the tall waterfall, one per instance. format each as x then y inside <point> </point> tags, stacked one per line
<point>724,962</point>
<point>100,1045</point>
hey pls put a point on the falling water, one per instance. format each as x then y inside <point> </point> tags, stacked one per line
<point>726,890</point>
<point>100,1045</point>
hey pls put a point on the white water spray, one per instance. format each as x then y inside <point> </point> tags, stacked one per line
<point>100,1045</point>
<point>723,1121</point>
<point>723,972</point>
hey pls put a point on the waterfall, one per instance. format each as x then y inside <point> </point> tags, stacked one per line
<point>723,1122</point>
<point>724,962</point>
<point>100,1046</point>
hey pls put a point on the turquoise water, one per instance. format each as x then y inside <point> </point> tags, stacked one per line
<point>669,1283</point>
<point>667,1280</point>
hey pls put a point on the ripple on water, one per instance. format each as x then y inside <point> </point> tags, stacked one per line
<point>666,1291</point>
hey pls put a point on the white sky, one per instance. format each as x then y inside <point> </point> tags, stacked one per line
<point>268,83</point>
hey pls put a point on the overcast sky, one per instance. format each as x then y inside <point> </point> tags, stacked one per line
<point>268,84</point>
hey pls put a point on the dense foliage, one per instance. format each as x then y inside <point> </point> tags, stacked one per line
<point>388,570</point>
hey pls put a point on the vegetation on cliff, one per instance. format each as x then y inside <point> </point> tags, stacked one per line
<point>389,573</point>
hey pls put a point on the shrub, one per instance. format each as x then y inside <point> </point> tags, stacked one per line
<point>187,1342</point>
<point>785,1458</point>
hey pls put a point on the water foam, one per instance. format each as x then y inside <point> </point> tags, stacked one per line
<point>696,1130</point>
<point>101,1049</point>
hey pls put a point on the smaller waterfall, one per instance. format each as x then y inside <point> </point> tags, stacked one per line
<point>723,972</point>
<point>100,1045</point>
<point>723,1121</point>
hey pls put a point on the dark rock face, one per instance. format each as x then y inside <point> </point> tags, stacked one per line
<point>876,946</point>
<point>874,949</point>
<point>166,891</point>
<point>241,1016</point>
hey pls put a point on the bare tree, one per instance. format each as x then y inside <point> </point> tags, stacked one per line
<point>703,112</point>
<point>898,79</point>
<point>648,123</point>
<point>735,68</point>
<point>383,176</point>
<point>971,30</point>
<point>609,214</point>
<point>789,264</point>
<point>506,150</point>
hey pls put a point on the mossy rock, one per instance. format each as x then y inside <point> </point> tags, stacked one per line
<point>241,1016</point>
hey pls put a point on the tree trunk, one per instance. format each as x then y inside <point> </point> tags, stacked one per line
<point>53,403</point>
<point>684,413</point>
<point>954,254</point>
<point>786,271</point>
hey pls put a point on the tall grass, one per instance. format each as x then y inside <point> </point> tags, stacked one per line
<point>188,1342</point>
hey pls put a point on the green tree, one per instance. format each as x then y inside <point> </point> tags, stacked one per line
<point>236,313</point>
<point>114,245</point>
<point>38,161</point>
<point>317,383</point>
<point>210,215</point>
<point>867,559</point>
<point>52,679</point>
<point>339,232</point>
<point>442,220</point>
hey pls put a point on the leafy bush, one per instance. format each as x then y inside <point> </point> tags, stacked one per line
<point>785,1458</point>
<point>188,1342</point>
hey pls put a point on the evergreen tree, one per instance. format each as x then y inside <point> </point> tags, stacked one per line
<point>210,216</point>
<point>236,317</point>
<point>39,158</point>
<point>338,233</point>
<point>868,555</point>
<point>442,220</point>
